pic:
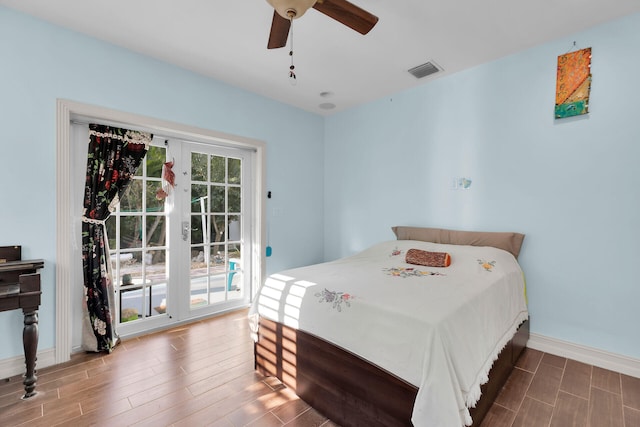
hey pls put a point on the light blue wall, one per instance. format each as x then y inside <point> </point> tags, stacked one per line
<point>40,63</point>
<point>572,186</point>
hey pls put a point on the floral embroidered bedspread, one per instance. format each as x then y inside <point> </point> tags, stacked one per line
<point>439,329</point>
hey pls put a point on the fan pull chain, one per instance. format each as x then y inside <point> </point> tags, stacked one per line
<point>292,74</point>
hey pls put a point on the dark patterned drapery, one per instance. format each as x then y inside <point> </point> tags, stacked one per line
<point>113,158</point>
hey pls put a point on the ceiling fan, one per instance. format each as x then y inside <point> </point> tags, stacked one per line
<point>341,10</point>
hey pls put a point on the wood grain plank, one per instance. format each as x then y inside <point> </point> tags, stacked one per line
<point>607,380</point>
<point>605,409</point>
<point>498,416</point>
<point>631,417</point>
<point>56,415</point>
<point>260,407</point>
<point>209,405</point>
<point>570,411</point>
<point>529,360</point>
<point>291,409</point>
<point>631,392</point>
<point>266,420</point>
<point>514,390</point>
<point>553,360</point>
<point>225,407</point>
<point>17,416</point>
<point>98,416</point>
<point>533,413</point>
<point>545,384</point>
<point>310,418</point>
<point>576,379</point>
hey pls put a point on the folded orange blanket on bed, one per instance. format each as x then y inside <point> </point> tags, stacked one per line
<point>429,259</point>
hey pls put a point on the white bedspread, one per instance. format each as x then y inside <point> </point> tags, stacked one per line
<point>439,329</point>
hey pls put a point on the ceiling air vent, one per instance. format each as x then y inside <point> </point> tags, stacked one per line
<point>424,70</point>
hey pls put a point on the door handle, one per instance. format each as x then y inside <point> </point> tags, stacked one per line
<point>185,230</point>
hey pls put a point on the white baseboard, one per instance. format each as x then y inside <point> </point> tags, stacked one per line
<point>592,356</point>
<point>15,365</point>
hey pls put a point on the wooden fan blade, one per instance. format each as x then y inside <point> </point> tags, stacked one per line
<point>279,31</point>
<point>347,13</point>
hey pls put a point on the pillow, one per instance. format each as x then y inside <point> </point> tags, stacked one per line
<point>510,242</point>
<point>427,258</point>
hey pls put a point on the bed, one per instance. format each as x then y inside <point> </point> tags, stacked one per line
<point>371,340</point>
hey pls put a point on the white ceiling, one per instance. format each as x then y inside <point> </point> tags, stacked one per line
<point>227,39</point>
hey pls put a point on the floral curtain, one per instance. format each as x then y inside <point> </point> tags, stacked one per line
<point>113,158</point>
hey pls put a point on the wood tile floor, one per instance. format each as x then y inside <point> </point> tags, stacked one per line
<point>547,390</point>
<point>202,375</point>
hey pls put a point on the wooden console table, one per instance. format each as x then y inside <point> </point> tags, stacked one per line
<point>20,288</point>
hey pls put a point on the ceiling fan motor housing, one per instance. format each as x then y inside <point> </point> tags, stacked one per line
<point>342,11</point>
<point>289,9</point>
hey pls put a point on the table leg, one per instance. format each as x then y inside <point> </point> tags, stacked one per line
<point>30,343</point>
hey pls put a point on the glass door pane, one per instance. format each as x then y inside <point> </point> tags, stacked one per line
<point>137,233</point>
<point>216,224</point>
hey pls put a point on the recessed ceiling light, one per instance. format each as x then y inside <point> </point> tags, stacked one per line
<point>326,94</point>
<point>327,106</point>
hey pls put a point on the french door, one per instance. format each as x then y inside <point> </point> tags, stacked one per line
<point>183,256</point>
<point>215,227</point>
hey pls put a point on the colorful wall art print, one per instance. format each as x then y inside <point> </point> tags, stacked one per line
<point>573,83</point>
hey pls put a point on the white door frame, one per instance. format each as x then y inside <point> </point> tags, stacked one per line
<point>67,111</point>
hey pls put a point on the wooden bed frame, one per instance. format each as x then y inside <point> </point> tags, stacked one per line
<point>349,390</point>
